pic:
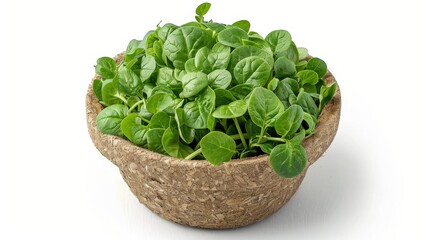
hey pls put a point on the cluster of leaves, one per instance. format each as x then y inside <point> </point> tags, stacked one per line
<point>207,90</point>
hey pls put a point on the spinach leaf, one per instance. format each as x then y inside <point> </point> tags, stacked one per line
<point>243,24</point>
<point>184,42</point>
<point>202,9</point>
<point>186,133</point>
<point>308,77</point>
<point>280,40</point>
<point>241,91</point>
<point>326,95</point>
<point>106,67</point>
<point>166,78</point>
<point>158,102</point>
<point>289,159</point>
<point>134,50</point>
<point>173,146</point>
<point>232,110</point>
<point>310,121</point>
<point>243,52</point>
<point>160,120</point>
<point>129,82</point>
<point>148,66</point>
<point>283,67</point>
<point>154,140</point>
<point>317,65</point>
<point>193,83</point>
<point>219,79</point>
<point>223,97</point>
<point>132,128</point>
<point>217,147</point>
<point>197,113</point>
<point>232,36</point>
<point>110,93</point>
<point>307,103</point>
<point>97,85</point>
<point>252,70</point>
<point>109,119</point>
<point>264,107</point>
<point>289,121</point>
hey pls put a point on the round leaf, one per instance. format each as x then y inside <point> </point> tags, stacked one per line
<point>253,70</point>
<point>308,77</point>
<point>233,110</point>
<point>317,65</point>
<point>133,129</point>
<point>217,147</point>
<point>232,37</point>
<point>280,40</point>
<point>289,159</point>
<point>264,107</point>
<point>193,83</point>
<point>158,102</point>
<point>109,119</point>
<point>290,121</point>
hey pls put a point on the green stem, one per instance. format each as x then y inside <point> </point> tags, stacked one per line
<point>194,154</point>
<point>261,135</point>
<point>275,139</point>
<point>122,98</point>
<point>240,133</point>
<point>135,105</point>
<point>237,136</point>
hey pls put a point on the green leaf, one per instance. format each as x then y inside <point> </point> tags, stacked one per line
<point>154,140</point>
<point>158,102</point>
<point>97,84</point>
<point>302,53</point>
<point>243,52</point>
<point>310,122</point>
<point>219,79</point>
<point>253,70</point>
<point>280,40</point>
<point>186,133</point>
<point>308,77</point>
<point>217,147</point>
<point>166,78</point>
<point>133,129</point>
<point>184,42</point>
<point>307,103</point>
<point>134,50</point>
<point>223,97</point>
<point>160,120</point>
<point>289,159</point>
<point>266,147</point>
<point>110,118</point>
<point>110,93</point>
<point>173,146</point>
<point>283,67</point>
<point>202,9</point>
<point>129,82</point>
<point>232,36</point>
<point>272,85</point>
<point>317,65</point>
<point>106,67</point>
<point>326,95</point>
<point>148,66</point>
<point>243,24</point>
<point>289,121</point>
<point>264,107</point>
<point>165,30</point>
<point>241,91</point>
<point>283,92</point>
<point>291,53</point>
<point>198,112</point>
<point>193,83</point>
<point>233,110</point>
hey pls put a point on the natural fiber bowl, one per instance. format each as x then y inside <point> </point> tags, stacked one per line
<point>198,194</point>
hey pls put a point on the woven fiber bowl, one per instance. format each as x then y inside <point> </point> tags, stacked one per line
<point>198,194</point>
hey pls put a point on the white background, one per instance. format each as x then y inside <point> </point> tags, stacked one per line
<point>372,182</point>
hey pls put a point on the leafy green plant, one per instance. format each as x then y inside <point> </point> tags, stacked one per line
<point>208,90</point>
